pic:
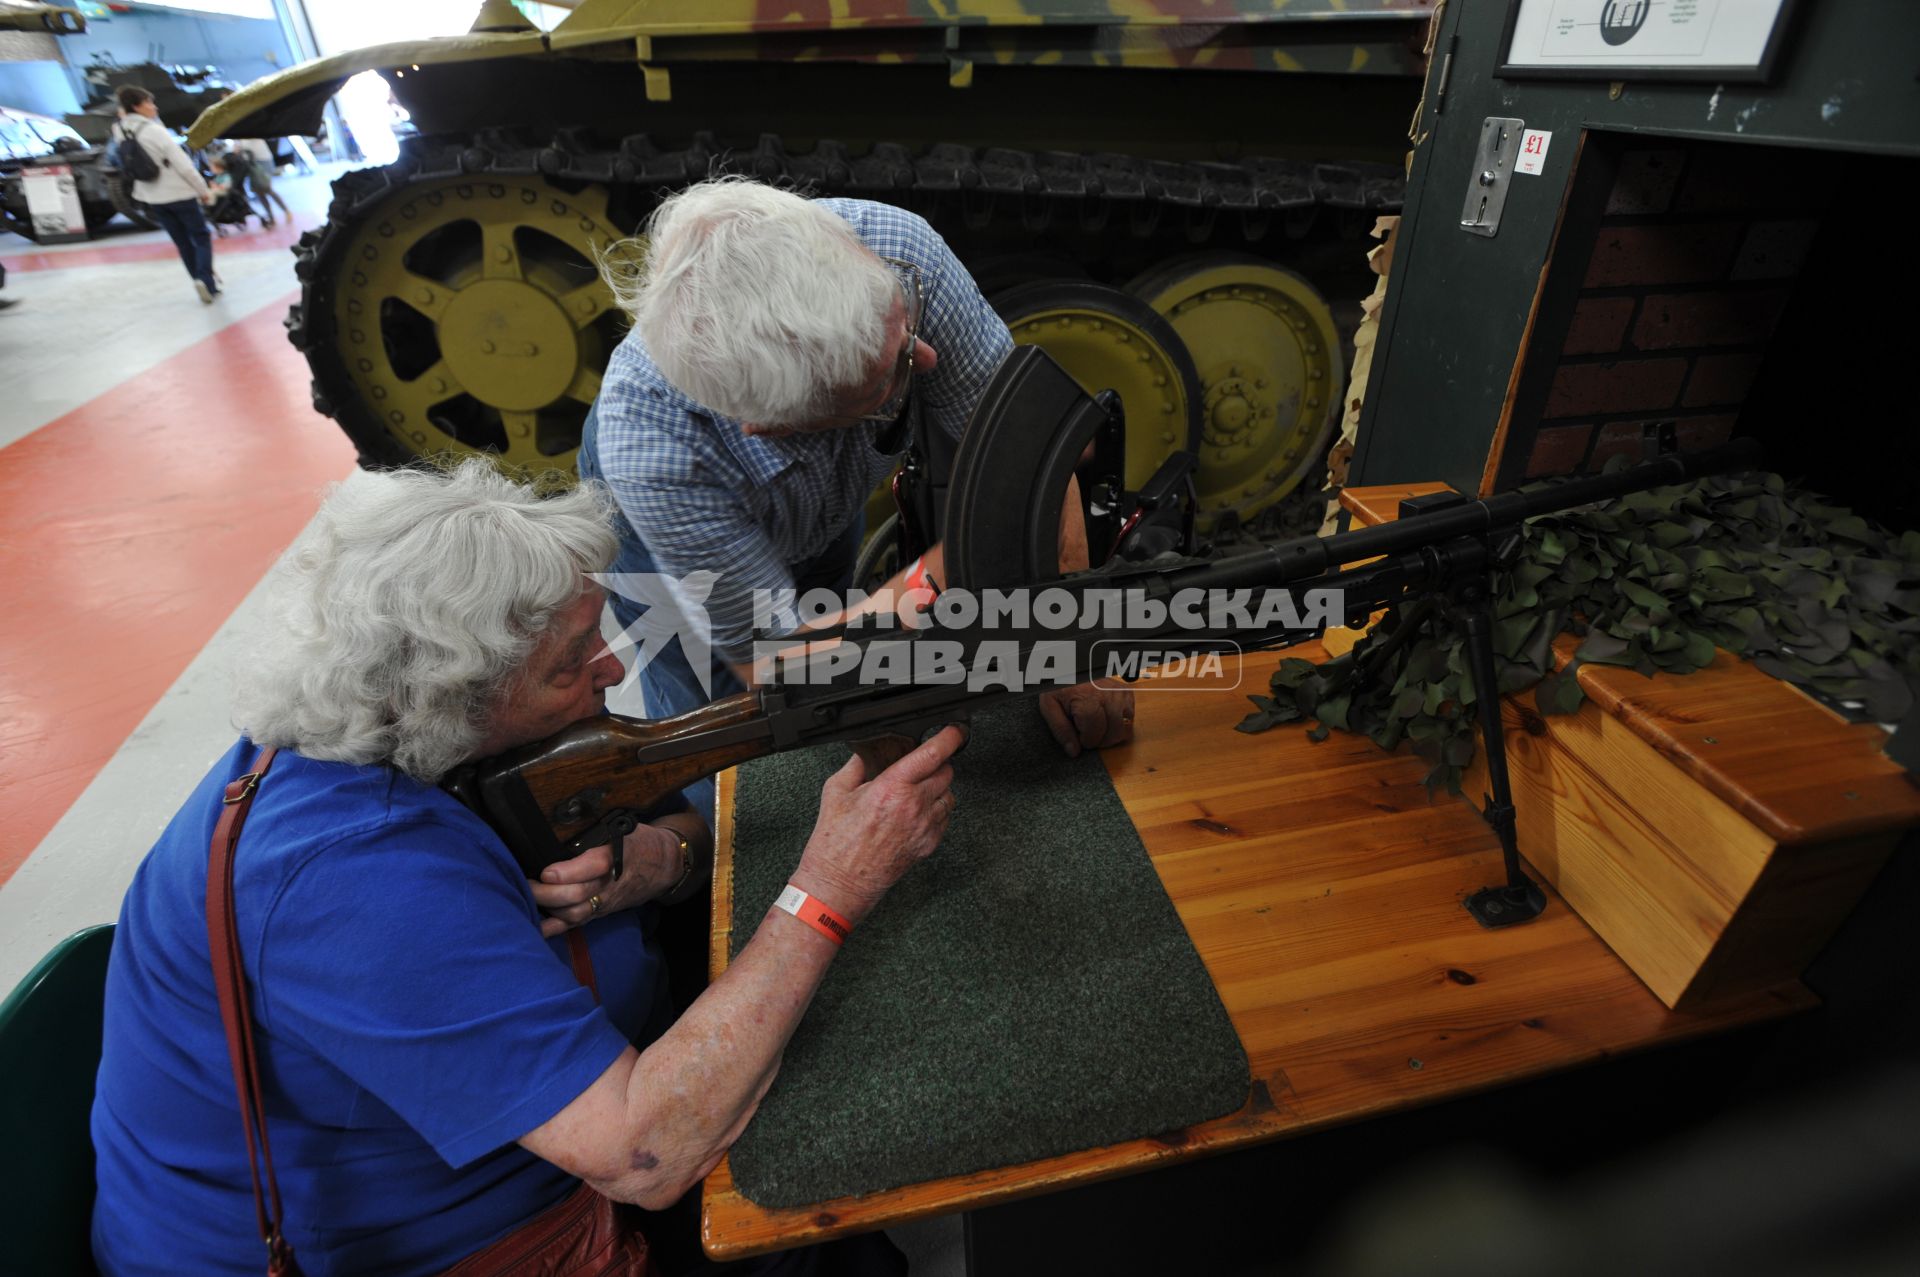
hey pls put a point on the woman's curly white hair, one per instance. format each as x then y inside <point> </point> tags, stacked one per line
<point>408,607</point>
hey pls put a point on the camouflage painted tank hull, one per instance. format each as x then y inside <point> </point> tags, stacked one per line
<point>1051,137</point>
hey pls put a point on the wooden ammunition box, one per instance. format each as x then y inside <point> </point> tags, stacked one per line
<point>1713,828</point>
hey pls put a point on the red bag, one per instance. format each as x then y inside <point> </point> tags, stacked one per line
<point>584,1236</point>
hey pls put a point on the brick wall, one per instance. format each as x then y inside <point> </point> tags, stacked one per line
<point>1684,285</point>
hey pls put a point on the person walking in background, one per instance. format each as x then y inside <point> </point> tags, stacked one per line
<point>260,176</point>
<point>175,194</point>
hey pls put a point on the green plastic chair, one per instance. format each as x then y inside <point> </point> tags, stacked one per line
<point>49,1054</point>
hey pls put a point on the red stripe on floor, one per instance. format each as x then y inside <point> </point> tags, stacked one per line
<point>257,240</point>
<point>129,531</point>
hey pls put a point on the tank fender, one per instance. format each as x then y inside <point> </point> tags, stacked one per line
<point>290,101</point>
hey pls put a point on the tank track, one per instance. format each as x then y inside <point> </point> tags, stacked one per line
<point>979,186</point>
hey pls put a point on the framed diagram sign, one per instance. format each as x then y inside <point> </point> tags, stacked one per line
<point>1719,40</point>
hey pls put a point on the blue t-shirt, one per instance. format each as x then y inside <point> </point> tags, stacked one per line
<point>411,1024</point>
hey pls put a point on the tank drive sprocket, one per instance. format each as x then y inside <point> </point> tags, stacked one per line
<point>467,315</point>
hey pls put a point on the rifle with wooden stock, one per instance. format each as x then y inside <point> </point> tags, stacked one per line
<point>592,782</point>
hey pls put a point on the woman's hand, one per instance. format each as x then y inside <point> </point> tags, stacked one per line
<point>874,827</point>
<point>574,892</point>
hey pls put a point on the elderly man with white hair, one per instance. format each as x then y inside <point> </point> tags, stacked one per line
<point>780,350</point>
<point>437,1076</point>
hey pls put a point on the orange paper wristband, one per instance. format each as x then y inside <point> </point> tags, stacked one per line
<point>917,578</point>
<point>811,911</point>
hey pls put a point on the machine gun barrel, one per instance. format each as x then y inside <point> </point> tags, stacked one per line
<point>1292,561</point>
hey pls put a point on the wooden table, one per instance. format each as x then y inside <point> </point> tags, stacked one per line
<point>1323,889</point>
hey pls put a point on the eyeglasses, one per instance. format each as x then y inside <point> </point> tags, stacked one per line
<point>912,293</point>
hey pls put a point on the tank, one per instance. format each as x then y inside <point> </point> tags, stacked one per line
<point>181,93</point>
<point>1171,195</point>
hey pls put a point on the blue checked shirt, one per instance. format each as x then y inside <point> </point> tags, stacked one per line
<point>701,494</point>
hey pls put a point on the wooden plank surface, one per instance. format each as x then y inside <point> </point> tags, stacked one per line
<point>1658,874</point>
<point>1322,888</point>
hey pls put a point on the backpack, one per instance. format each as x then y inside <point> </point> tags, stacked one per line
<point>135,160</point>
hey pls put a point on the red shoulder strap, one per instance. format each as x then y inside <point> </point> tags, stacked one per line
<point>230,984</point>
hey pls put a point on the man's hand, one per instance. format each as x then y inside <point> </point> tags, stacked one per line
<point>573,892</point>
<point>1087,716</point>
<point>873,828</point>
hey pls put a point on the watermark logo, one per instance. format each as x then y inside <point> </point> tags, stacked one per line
<point>1120,665</point>
<point>1017,640</point>
<point>675,607</point>
<point>1020,640</point>
<point>1133,610</point>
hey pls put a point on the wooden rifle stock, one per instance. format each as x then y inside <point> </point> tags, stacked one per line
<point>598,779</point>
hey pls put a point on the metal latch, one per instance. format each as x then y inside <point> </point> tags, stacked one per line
<point>1492,173</point>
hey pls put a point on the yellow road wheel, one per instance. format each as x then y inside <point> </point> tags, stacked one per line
<point>1268,353</point>
<point>1108,340</point>
<point>471,318</point>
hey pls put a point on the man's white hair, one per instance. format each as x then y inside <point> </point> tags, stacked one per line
<point>756,302</point>
<point>408,608</point>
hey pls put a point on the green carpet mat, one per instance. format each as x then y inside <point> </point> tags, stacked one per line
<point>1027,991</point>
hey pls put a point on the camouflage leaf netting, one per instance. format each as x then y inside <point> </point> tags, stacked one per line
<point>1809,591</point>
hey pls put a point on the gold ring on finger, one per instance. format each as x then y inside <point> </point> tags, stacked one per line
<point>593,904</point>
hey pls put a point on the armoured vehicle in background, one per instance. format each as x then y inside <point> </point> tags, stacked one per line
<point>181,93</point>
<point>30,141</point>
<point>1164,193</point>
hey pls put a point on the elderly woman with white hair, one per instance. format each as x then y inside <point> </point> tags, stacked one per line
<point>433,1072</point>
<point>782,354</point>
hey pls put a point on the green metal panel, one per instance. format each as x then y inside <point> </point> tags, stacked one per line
<point>1457,304</point>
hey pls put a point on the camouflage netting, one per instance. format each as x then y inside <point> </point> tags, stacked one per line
<point>1807,590</point>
